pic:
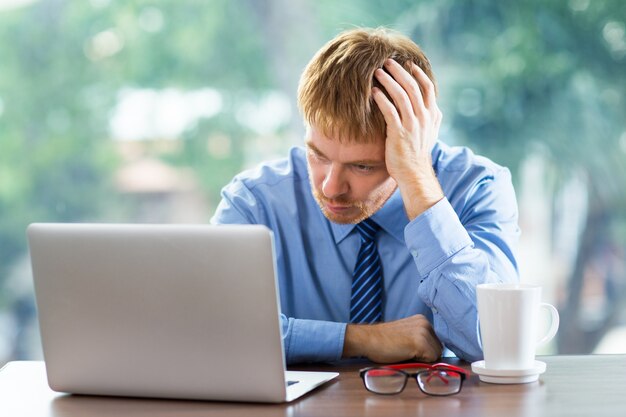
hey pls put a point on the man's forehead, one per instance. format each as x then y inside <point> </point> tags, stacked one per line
<point>337,135</point>
<point>351,151</point>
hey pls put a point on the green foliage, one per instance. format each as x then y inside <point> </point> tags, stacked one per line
<point>53,159</point>
<point>539,77</point>
<point>57,91</point>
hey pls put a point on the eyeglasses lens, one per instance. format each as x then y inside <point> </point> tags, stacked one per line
<point>385,381</point>
<point>439,382</point>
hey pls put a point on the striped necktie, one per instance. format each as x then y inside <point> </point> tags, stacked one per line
<point>367,279</point>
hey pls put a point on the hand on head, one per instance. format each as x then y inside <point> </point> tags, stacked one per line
<point>413,120</point>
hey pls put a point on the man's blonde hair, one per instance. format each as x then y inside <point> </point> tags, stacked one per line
<point>335,91</point>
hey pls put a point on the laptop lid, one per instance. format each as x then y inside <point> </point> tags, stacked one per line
<point>171,311</point>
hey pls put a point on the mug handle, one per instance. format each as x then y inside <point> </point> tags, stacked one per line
<point>479,336</point>
<point>554,326</point>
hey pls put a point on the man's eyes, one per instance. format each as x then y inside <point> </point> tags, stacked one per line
<point>363,168</point>
<point>316,156</point>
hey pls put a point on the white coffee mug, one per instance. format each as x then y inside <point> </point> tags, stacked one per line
<point>509,318</point>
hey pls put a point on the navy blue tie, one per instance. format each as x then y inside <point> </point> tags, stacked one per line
<point>367,279</point>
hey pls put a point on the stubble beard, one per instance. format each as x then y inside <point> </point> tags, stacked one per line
<point>363,209</point>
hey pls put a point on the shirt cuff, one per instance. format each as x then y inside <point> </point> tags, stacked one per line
<point>434,236</point>
<point>314,341</point>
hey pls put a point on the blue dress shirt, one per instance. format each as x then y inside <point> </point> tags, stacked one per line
<point>431,265</point>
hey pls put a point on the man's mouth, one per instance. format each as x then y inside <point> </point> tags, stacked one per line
<point>338,208</point>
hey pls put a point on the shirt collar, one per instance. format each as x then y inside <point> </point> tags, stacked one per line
<point>391,217</point>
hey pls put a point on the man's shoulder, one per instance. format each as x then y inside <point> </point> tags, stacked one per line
<point>461,160</point>
<point>268,193</point>
<point>275,173</point>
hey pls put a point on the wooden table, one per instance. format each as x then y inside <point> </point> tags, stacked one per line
<point>590,385</point>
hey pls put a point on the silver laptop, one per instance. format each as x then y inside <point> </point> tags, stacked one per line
<point>167,311</point>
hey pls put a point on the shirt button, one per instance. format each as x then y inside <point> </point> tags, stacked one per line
<point>414,253</point>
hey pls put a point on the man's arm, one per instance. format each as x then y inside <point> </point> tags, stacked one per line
<point>455,250</point>
<point>303,340</point>
<point>452,254</point>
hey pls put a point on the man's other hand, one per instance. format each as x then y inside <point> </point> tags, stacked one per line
<point>411,338</point>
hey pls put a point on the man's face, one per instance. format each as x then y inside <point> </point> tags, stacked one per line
<point>349,180</point>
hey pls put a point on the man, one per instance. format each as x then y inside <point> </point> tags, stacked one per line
<point>381,231</point>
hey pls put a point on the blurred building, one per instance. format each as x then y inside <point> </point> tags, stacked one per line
<point>158,192</point>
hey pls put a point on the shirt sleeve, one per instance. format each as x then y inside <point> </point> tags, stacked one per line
<point>303,340</point>
<point>454,252</point>
<point>312,340</point>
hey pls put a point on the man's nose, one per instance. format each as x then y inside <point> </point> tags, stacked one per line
<point>334,184</point>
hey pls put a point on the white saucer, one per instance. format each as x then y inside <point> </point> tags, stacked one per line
<point>508,376</point>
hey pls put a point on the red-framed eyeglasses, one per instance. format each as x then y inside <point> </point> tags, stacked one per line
<point>433,379</point>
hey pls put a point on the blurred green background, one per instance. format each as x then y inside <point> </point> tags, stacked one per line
<point>141,110</point>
